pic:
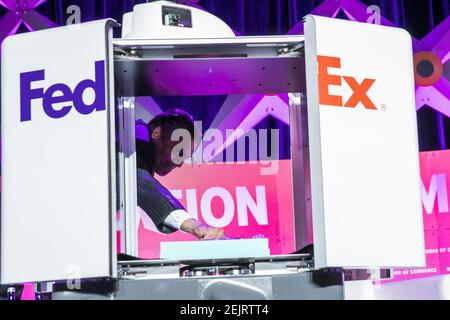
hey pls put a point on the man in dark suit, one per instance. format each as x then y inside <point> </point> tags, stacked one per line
<point>154,152</point>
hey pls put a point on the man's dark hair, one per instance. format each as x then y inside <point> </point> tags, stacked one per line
<point>171,120</point>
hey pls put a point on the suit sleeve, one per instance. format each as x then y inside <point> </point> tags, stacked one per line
<point>156,200</point>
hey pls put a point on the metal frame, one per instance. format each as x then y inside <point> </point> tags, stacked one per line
<point>242,40</point>
<point>127,176</point>
<point>300,170</point>
<point>110,97</point>
<point>131,56</point>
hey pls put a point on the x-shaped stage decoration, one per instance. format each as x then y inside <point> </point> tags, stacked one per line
<point>431,53</point>
<point>22,11</point>
<point>432,84</point>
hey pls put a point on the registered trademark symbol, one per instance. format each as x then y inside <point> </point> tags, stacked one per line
<point>383,107</point>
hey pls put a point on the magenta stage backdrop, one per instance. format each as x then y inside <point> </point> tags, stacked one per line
<point>435,174</point>
<point>233,196</point>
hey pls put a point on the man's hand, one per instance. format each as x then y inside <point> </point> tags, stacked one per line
<point>202,231</point>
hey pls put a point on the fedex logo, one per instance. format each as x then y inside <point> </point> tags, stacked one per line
<point>58,99</point>
<point>327,79</point>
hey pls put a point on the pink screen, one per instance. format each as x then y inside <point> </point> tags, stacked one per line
<point>235,196</point>
<point>435,174</point>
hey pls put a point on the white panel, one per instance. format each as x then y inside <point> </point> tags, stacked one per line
<point>58,206</point>
<point>364,162</point>
<point>127,24</point>
<point>147,23</point>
